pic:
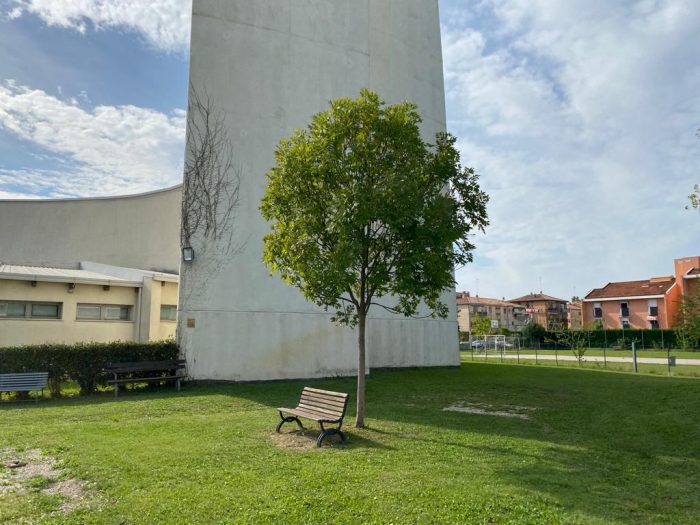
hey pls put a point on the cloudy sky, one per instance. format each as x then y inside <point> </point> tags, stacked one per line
<point>580,115</point>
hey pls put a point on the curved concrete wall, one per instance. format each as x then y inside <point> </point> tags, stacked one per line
<point>138,231</point>
<point>270,65</point>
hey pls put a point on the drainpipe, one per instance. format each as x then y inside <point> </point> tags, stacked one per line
<point>137,328</point>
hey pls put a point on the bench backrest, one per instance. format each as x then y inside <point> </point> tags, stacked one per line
<point>326,401</point>
<point>23,382</point>
<point>145,366</point>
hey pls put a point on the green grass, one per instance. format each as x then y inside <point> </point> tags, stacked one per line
<point>642,368</point>
<point>618,353</point>
<point>599,448</point>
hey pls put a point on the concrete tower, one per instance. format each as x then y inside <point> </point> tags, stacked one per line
<point>270,65</point>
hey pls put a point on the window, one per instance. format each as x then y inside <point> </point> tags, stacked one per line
<point>654,325</point>
<point>117,313</point>
<point>625,324</point>
<point>624,310</point>
<point>103,312</point>
<point>597,311</point>
<point>13,309</point>
<point>27,310</point>
<point>168,312</point>
<point>653,308</point>
<point>89,311</point>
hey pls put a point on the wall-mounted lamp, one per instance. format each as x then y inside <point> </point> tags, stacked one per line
<point>71,287</point>
<point>188,254</point>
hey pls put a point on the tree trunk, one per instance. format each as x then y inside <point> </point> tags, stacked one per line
<point>360,421</point>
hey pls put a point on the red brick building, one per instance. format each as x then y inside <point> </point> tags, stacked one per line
<point>650,303</point>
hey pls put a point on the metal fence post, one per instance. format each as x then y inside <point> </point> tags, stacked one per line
<point>634,356</point>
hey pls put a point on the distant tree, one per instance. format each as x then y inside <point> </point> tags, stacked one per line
<point>534,332</point>
<point>575,340</point>
<point>688,322</point>
<point>481,325</point>
<point>364,213</point>
<point>694,198</point>
<point>575,299</point>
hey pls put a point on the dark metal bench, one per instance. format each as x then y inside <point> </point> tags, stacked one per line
<point>24,382</point>
<point>323,406</point>
<point>145,372</point>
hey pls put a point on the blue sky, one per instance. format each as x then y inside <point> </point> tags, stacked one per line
<point>580,115</point>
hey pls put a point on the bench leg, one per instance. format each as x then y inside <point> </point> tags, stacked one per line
<point>288,419</point>
<point>330,432</point>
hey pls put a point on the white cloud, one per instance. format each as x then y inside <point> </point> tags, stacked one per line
<point>110,150</point>
<point>164,23</point>
<point>580,115</point>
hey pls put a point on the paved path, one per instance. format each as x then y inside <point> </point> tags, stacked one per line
<point>592,358</point>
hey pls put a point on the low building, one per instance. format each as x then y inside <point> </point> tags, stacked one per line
<point>650,303</point>
<point>97,302</point>
<point>502,313</point>
<point>544,310</point>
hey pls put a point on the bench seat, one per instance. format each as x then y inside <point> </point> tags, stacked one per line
<point>24,382</point>
<point>321,406</point>
<point>155,371</point>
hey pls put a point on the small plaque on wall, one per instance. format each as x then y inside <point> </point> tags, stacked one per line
<point>190,323</point>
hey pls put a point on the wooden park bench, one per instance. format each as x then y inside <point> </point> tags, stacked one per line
<point>24,382</point>
<point>145,372</point>
<point>323,406</point>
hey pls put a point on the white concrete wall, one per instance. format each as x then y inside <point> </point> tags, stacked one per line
<point>269,65</point>
<point>138,231</point>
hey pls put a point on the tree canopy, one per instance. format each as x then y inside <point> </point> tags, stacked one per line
<point>363,212</point>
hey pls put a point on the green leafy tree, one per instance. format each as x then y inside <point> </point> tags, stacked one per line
<point>694,198</point>
<point>534,332</point>
<point>576,340</point>
<point>480,325</point>
<point>688,322</point>
<point>364,213</point>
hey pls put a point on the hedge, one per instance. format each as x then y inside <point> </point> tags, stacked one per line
<point>81,362</point>
<point>617,338</point>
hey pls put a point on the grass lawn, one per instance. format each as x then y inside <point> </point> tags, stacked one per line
<point>598,448</point>
<point>642,368</point>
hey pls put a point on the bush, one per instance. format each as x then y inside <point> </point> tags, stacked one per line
<point>81,362</point>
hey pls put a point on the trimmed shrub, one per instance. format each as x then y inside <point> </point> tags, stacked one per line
<point>81,362</point>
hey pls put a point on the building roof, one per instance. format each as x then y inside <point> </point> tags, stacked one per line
<point>60,275</point>
<point>463,298</point>
<point>693,271</point>
<point>537,297</point>
<point>650,287</point>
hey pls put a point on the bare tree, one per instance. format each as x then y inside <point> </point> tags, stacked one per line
<point>210,195</point>
<point>210,191</point>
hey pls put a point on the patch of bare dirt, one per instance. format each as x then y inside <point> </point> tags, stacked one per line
<point>23,470</point>
<point>483,409</point>
<point>296,440</point>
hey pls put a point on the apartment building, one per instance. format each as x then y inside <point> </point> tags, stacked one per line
<point>544,310</point>
<point>503,314</point>
<point>650,303</point>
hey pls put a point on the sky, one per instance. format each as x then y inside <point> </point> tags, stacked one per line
<point>579,115</point>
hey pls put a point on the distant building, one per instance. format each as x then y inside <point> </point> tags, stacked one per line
<point>650,303</point>
<point>544,310</point>
<point>574,315</point>
<point>94,303</point>
<point>503,314</point>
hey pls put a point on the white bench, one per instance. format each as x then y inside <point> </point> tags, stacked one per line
<point>24,382</point>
